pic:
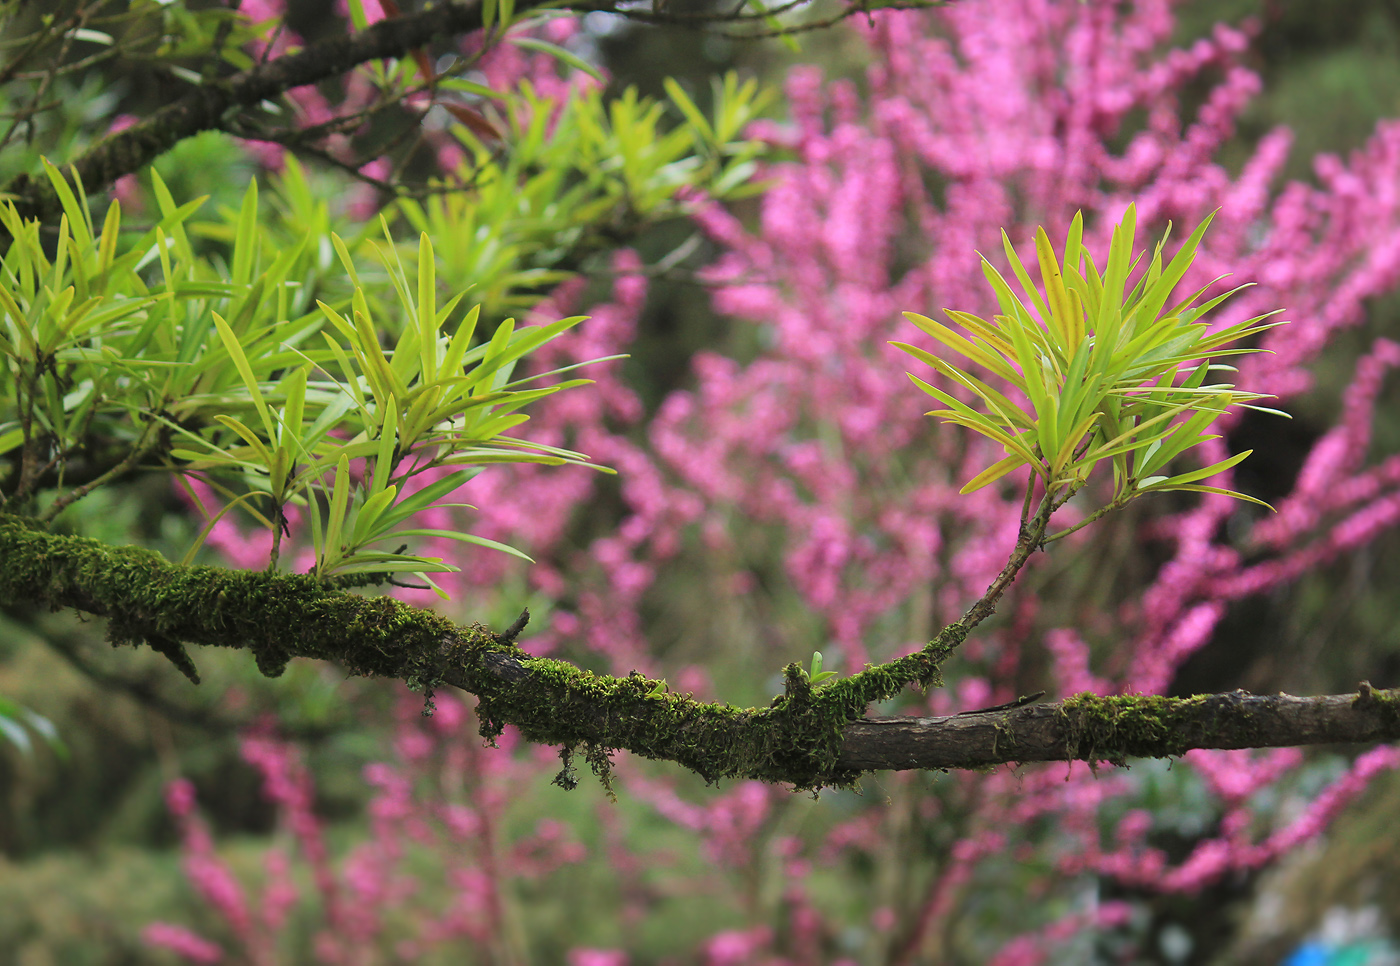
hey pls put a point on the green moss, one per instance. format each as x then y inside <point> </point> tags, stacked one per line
<point>276,616</point>
<point>796,739</point>
<point>1385,703</point>
<point>1115,728</point>
<point>280,616</point>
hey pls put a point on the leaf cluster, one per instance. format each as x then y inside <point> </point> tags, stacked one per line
<point>433,400</point>
<point>579,176</point>
<point>233,371</point>
<point>1099,372</point>
<point>288,363</point>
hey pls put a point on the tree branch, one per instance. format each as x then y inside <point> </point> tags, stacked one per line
<point>204,107</point>
<point>148,600</point>
<point>808,736</point>
<point>1090,727</point>
<point>208,105</point>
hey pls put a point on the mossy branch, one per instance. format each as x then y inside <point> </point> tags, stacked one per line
<point>148,600</point>
<point>809,737</point>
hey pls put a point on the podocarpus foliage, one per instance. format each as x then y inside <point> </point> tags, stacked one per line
<point>813,443</point>
<point>1106,374</point>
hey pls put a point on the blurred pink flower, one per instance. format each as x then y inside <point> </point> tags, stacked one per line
<point>181,942</point>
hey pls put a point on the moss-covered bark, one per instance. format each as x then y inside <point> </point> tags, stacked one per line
<point>1114,728</point>
<point>809,737</point>
<point>280,616</point>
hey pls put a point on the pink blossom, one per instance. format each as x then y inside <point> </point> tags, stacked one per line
<point>597,957</point>
<point>802,478</point>
<point>179,797</point>
<point>735,947</point>
<point>280,895</point>
<point>181,942</point>
<point>213,880</point>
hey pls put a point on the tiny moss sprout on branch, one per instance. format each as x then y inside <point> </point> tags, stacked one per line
<point>1127,379</point>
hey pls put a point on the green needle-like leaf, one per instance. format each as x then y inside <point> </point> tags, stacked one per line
<point>250,382</point>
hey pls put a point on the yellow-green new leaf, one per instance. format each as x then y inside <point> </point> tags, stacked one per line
<point>331,551</point>
<point>461,537</point>
<point>1219,491</point>
<point>994,472</point>
<point>240,362</point>
<point>1205,472</point>
<point>251,438</point>
<point>968,349</point>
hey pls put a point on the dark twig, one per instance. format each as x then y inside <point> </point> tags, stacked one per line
<point>138,450</point>
<point>206,106</point>
<point>826,22</point>
<point>1028,542</point>
<point>509,635</point>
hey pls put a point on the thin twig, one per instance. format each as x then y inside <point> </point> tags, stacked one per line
<point>141,447</point>
<point>682,19</point>
<point>1026,504</point>
<point>1027,543</point>
<point>831,21</point>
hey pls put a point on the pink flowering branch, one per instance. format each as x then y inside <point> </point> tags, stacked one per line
<point>1010,114</point>
<point>378,902</point>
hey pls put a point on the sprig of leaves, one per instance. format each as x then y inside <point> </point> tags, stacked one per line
<point>63,311</point>
<point>346,428</point>
<point>287,364</point>
<point>1099,375</point>
<point>232,370</point>
<point>576,174</point>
